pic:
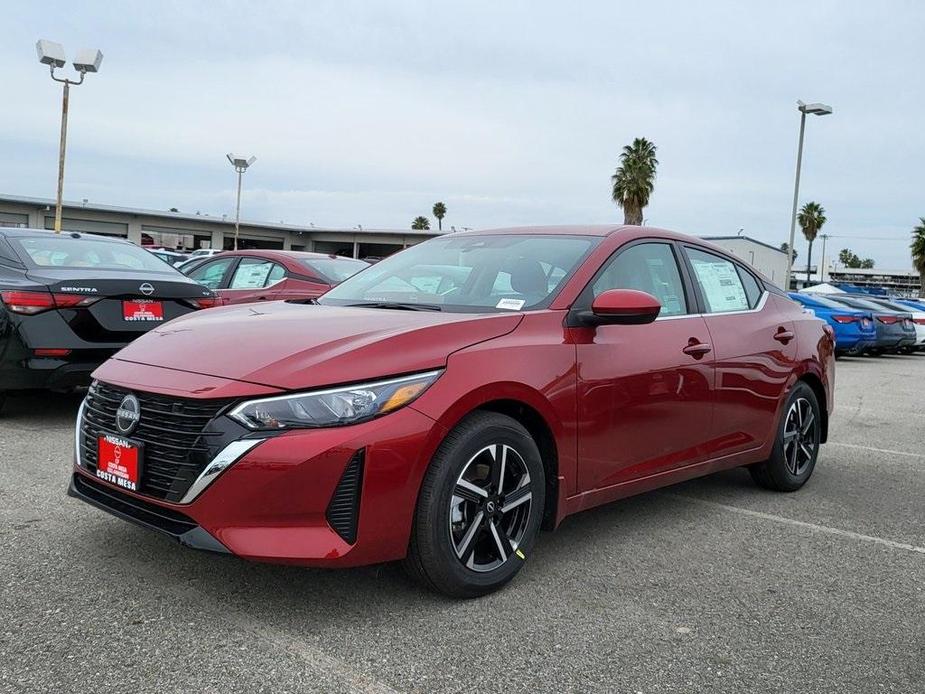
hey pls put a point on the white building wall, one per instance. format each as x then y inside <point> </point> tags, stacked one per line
<point>769,261</point>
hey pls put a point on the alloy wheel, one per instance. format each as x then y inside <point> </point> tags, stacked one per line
<point>800,445</point>
<point>490,507</point>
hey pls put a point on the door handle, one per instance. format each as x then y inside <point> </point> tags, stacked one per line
<point>784,336</point>
<point>696,348</point>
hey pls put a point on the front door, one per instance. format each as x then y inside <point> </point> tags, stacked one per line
<point>645,392</point>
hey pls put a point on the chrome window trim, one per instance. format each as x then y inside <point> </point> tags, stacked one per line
<point>229,455</point>
<point>761,303</point>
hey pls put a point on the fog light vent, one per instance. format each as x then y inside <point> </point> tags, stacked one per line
<point>344,509</point>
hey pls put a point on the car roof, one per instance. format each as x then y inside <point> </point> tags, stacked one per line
<point>24,233</point>
<point>624,232</point>
<point>273,254</point>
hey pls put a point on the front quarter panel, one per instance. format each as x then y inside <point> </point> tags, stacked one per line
<point>533,365</point>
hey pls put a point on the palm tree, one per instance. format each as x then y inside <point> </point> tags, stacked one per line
<point>420,223</point>
<point>811,219</point>
<point>439,213</point>
<point>918,251</point>
<point>634,180</point>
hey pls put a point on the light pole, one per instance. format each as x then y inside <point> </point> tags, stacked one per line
<point>88,60</point>
<point>822,271</point>
<point>817,110</point>
<point>240,165</point>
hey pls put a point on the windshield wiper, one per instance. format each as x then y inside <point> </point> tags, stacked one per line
<point>399,306</point>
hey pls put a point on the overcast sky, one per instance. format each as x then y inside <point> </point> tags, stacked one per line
<point>512,113</point>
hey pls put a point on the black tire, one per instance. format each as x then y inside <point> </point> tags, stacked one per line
<point>466,544</point>
<point>796,447</point>
<point>2,402</point>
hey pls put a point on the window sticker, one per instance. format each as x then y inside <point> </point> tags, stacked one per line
<point>722,286</point>
<point>251,276</point>
<point>510,304</point>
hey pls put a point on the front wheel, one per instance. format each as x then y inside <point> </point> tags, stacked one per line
<point>480,507</point>
<point>796,448</point>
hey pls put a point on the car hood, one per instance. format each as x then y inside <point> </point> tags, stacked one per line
<point>298,346</point>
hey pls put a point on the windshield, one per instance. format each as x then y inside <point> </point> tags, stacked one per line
<point>469,273</point>
<point>68,252</point>
<point>334,269</point>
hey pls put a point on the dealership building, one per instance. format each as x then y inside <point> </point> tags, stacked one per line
<point>765,258</point>
<point>188,231</point>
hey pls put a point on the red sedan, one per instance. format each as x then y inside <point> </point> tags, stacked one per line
<point>446,403</point>
<point>241,277</point>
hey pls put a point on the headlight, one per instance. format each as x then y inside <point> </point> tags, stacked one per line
<point>334,407</point>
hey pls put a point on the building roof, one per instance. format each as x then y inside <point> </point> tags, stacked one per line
<point>743,238</point>
<point>213,219</point>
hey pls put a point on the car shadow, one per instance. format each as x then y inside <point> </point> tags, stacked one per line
<point>300,597</point>
<point>45,406</point>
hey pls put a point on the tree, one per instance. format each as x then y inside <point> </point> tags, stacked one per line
<point>634,180</point>
<point>420,223</point>
<point>811,219</point>
<point>784,246</point>
<point>439,213</point>
<point>847,258</point>
<point>918,251</point>
<point>850,259</point>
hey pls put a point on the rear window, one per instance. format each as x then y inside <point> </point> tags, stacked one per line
<point>68,252</point>
<point>334,269</point>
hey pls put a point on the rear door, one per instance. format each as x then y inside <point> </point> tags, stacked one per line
<point>645,392</point>
<point>754,347</point>
<point>254,279</point>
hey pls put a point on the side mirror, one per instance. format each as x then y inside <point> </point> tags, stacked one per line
<point>622,307</point>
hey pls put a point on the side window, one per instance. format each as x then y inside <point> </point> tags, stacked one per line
<point>211,274</point>
<point>752,290</point>
<point>719,282</point>
<point>277,274</point>
<point>251,273</point>
<point>648,267</point>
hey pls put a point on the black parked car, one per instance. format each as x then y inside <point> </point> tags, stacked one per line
<point>69,301</point>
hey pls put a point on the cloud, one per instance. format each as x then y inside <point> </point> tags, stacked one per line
<point>512,113</point>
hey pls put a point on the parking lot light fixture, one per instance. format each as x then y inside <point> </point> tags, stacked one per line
<point>88,60</point>
<point>815,109</point>
<point>240,165</point>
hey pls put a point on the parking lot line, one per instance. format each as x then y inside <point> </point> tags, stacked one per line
<point>876,450</point>
<point>892,544</point>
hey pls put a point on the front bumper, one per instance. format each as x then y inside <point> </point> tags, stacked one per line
<point>275,503</point>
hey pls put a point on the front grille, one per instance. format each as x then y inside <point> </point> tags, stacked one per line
<point>344,509</point>
<point>176,447</point>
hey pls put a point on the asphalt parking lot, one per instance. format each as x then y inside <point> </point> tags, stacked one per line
<point>713,585</point>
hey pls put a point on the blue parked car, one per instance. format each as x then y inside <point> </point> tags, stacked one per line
<point>855,332</point>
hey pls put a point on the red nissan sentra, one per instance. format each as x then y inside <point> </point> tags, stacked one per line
<point>445,404</point>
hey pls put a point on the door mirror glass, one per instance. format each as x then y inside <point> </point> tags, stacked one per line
<point>623,307</point>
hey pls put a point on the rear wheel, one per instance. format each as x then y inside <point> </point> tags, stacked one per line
<point>796,449</point>
<point>480,507</point>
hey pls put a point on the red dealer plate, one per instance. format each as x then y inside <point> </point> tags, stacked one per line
<point>119,461</point>
<point>142,310</point>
